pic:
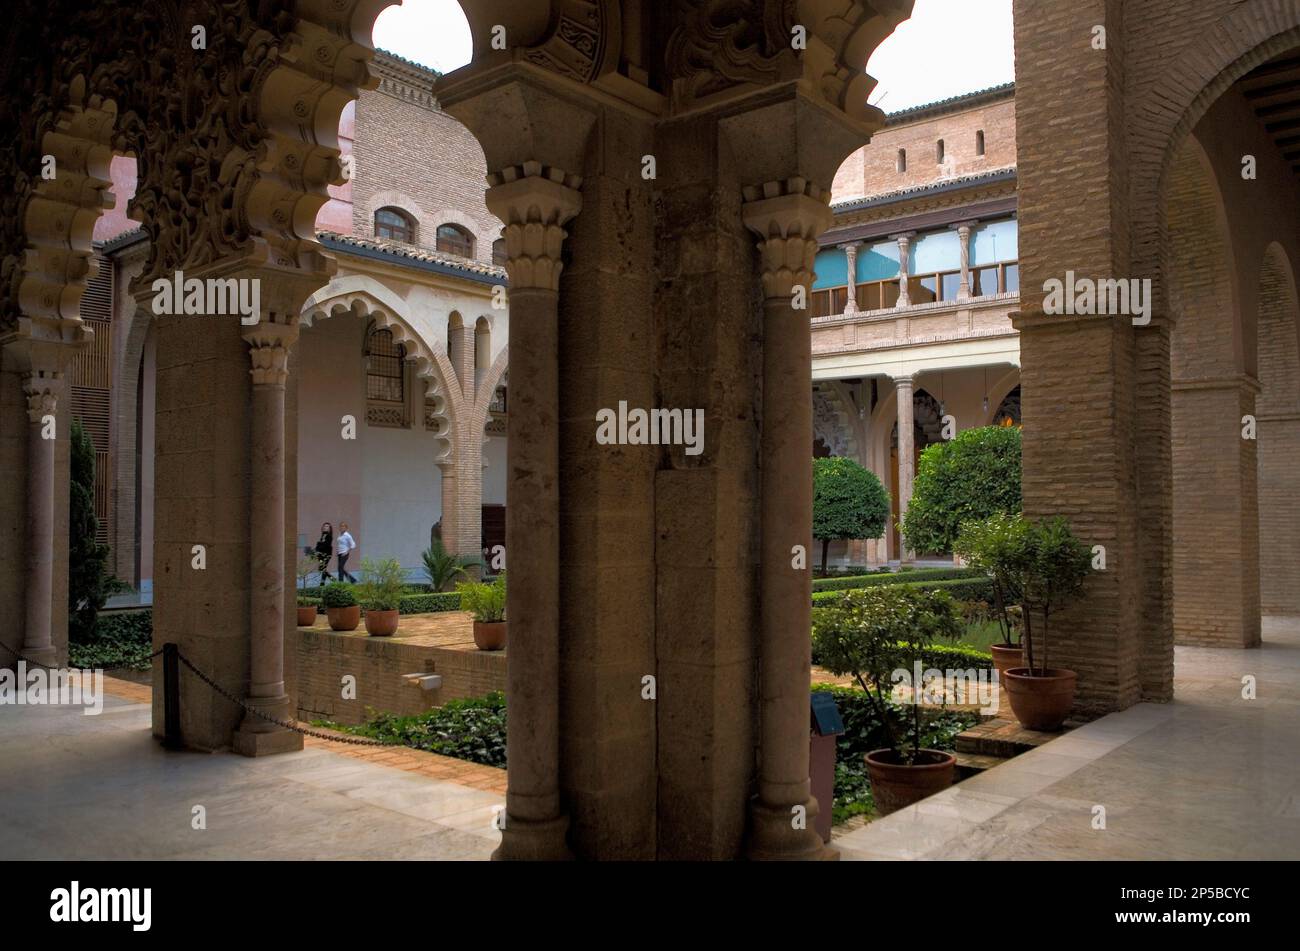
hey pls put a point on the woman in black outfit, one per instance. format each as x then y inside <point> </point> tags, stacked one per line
<point>325,550</point>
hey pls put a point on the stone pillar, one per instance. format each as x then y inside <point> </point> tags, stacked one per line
<point>904,252</point>
<point>787,224</point>
<point>535,202</point>
<point>269,345</point>
<point>851,262</point>
<point>41,391</point>
<point>963,230</point>
<point>906,458</point>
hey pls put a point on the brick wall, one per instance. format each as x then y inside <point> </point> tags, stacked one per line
<point>379,664</point>
<point>872,170</point>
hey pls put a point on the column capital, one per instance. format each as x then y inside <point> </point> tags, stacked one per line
<point>268,349</point>
<point>904,380</point>
<point>41,390</point>
<point>903,237</point>
<point>534,201</point>
<point>787,216</point>
<point>966,226</point>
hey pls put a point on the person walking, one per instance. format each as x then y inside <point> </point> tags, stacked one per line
<point>344,546</point>
<point>324,549</point>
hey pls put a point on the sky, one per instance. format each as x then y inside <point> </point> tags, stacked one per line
<point>947,48</point>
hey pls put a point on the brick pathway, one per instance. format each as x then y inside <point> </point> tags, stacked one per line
<point>449,629</point>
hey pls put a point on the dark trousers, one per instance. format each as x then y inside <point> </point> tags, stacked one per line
<point>344,574</point>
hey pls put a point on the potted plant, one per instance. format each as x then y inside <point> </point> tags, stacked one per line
<point>872,633</point>
<point>306,605</point>
<point>341,607</point>
<point>380,592</point>
<point>1051,573</point>
<point>487,602</point>
<point>997,546</point>
<point>442,568</point>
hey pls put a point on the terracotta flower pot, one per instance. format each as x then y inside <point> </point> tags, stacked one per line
<point>344,619</point>
<point>1004,658</point>
<point>381,623</point>
<point>489,635</point>
<point>894,786</point>
<point>306,615</point>
<point>1040,702</point>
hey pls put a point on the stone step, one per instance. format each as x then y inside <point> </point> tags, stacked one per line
<point>1001,737</point>
<point>972,764</point>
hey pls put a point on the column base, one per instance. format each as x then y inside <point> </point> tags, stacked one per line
<point>257,737</point>
<point>47,656</point>
<point>773,838</point>
<point>526,840</point>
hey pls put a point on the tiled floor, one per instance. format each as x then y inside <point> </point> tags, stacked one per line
<point>1210,776</point>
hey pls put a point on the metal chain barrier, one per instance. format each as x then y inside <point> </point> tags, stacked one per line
<point>127,665</point>
<point>284,724</point>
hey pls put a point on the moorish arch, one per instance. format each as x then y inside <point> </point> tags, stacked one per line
<point>1278,413</point>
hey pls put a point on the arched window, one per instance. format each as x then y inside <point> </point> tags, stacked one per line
<point>385,379</point>
<point>453,239</point>
<point>395,224</point>
<point>939,152</point>
<point>979,142</point>
<point>902,160</point>
<point>499,252</point>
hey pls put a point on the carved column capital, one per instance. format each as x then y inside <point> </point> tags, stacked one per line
<point>268,349</point>
<point>534,201</point>
<point>787,216</point>
<point>41,391</point>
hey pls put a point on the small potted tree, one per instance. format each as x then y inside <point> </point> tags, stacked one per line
<point>487,602</point>
<point>380,593</point>
<point>442,568</point>
<point>997,545</point>
<point>306,605</point>
<point>1050,572</point>
<point>872,633</point>
<point>341,607</point>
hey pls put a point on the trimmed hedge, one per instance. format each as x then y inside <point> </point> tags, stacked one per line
<point>429,603</point>
<point>943,657</point>
<point>902,577</point>
<point>977,588</point>
<point>118,639</point>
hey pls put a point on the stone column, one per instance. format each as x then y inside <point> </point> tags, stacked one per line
<point>906,457</point>
<point>42,402</point>
<point>963,230</point>
<point>787,223</point>
<point>269,345</point>
<point>904,251</point>
<point>534,202</point>
<point>851,261</point>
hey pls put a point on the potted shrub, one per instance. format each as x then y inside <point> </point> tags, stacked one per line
<point>871,633</point>
<point>380,592</point>
<point>442,568</point>
<point>1051,572</point>
<point>341,607</point>
<point>996,545</point>
<point>306,606</point>
<point>487,602</point>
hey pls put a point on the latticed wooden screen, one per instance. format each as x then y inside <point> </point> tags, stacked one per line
<point>91,382</point>
<point>385,380</point>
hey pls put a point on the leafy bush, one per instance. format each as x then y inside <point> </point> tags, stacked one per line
<point>338,595</point>
<point>963,589</point>
<point>972,476</point>
<point>442,568</point>
<point>89,583</point>
<point>848,502</point>
<point>429,603</point>
<point>873,632</point>
<point>903,577</point>
<point>119,639</point>
<point>473,729</point>
<point>381,584</point>
<point>487,602</point>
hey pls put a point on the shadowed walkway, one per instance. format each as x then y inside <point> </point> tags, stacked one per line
<point>1209,776</point>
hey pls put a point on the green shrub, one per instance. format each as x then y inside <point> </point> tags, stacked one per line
<point>89,583</point>
<point>903,577</point>
<point>429,603</point>
<point>119,639</point>
<point>974,588</point>
<point>971,476</point>
<point>381,584</point>
<point>442,568</point>
<point>487,602</point>
<point>338,595</point>
<point>848,502</point>
<point>473,729</point>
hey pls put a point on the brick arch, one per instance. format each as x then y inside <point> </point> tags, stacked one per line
<point>1245,38</point>
<point>1278,418</point>
<point>394,198</point>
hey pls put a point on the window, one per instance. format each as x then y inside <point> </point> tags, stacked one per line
<point>453,239</point>
<point>391,223</point>
<point>938,152</point>
<point>979,142</point>
<point>499,252</point>
<point>902,160</point>
<point>385,379</point>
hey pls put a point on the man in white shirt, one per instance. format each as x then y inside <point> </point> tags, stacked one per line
<point>344,545</point>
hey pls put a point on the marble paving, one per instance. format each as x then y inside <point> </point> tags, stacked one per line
<point>1211,775</point>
